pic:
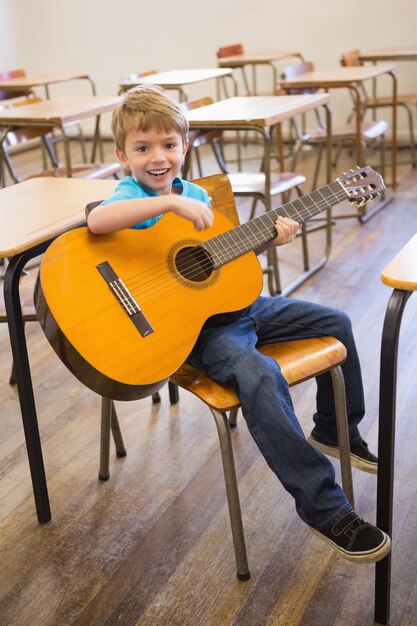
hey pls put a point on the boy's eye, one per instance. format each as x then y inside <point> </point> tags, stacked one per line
<point>171,146</point>
<point>142,148</point>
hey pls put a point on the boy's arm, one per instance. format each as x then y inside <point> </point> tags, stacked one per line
<point>286,232</point>
<point>109,218</point>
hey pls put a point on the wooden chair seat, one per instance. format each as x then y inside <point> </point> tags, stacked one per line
<point>369,131</point>
<point>386,101</point>
<point>299,361</point>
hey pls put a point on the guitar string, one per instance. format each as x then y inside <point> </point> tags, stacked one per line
<point>229,253</point>
<point>158,288</point>
<point>236,245</point>
<point>172,282</point>
<point>153,289</point>
<point>156,280</point>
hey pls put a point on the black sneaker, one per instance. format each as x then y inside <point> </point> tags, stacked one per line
<point>360,455</point>
<point>356,540</point>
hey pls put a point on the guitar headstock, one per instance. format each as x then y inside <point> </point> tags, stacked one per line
<point>362,184</point>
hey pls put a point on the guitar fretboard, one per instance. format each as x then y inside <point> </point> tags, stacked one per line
<point>251,235</point>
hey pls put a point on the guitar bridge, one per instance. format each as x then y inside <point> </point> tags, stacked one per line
<point>125,298</point>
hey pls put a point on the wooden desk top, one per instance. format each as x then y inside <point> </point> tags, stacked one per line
<point>337,76</point>
<point>58,111</point>
<point>389,54</point>
<point>38,80</point>
<point>401,272</point>
<point>179,78</point>
<point>261,111</point>
<point>41,208</point>
<point>257,58</point>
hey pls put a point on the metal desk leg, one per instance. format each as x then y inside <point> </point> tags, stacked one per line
<point>23,378</point>
<point>386,444</point>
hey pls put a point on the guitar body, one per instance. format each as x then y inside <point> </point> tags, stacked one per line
<point>91,331</point>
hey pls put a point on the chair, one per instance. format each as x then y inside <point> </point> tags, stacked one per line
<point>11,95</point>
<point>28,313</point>
<point>131,78</point>
<point>246,184</point>
<point>232,50</point>
<point>28,93</point>
<point>371,132</point>
<point>299,361</point>
<point>236,49</point>
<point>23,136</point>
<point>406,101</point>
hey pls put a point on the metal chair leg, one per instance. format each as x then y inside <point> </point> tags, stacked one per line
<point>339,393</point>
<point>232,492</point>
<point>117,433</point>
<point>233,417</point>
<point>109,423</point>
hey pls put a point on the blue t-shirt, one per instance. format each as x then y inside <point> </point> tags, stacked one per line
<point>129,189</point>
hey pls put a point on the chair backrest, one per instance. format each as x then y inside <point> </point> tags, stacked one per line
<point>292,71</point>
<point>229,51</point>
<point>23,135</point>
<point>189,105</point>
<point>131,78</point>
<point>138,75</point>
<point>220,191</point>
<point>349,59</point>
<point>8,95</point>
<point>198,139</point>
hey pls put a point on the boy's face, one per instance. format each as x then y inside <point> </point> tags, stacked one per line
<point>154,159</point>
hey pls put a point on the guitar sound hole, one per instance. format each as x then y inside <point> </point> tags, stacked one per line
<point>194,264</point>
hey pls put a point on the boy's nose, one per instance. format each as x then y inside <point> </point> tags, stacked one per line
<point>158,155</point>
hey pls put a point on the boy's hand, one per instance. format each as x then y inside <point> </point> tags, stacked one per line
<point>286,231</point>
<point>195,211</point>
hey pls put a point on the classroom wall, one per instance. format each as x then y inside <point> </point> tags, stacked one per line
<point>109,39</point>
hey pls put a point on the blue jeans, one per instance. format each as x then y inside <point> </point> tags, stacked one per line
<point>228,354</point>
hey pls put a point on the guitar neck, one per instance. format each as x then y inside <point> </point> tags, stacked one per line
<point>251,235</point>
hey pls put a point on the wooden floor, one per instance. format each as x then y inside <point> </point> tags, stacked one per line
<point>152,546</point>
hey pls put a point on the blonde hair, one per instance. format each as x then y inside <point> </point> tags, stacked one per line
<point>145,108</point>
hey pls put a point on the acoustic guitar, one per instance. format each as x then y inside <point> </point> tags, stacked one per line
<point>124,310</point>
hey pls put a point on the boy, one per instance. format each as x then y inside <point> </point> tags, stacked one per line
<point>151,138</point>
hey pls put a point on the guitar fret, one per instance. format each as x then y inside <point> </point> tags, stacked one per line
<point>215,249</point>
<point>306,201</point>
<point>253,234</point>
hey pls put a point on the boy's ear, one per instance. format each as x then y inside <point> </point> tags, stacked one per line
<point>121,157</point>
<point>185,147</point>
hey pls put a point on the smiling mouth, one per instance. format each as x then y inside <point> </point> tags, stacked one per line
<point>158,172</point>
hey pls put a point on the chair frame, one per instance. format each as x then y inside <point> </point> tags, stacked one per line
<point>406,101</point>
<point>372,132</point>
<point>23,135</point>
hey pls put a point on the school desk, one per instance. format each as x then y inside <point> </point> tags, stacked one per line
<point>263,114</point>
<point>32,214</point>
<point>44,80</point>
<point>55,114</point>
<point>256,59</point>
<point>401,275</point>
<point>180,79</point>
